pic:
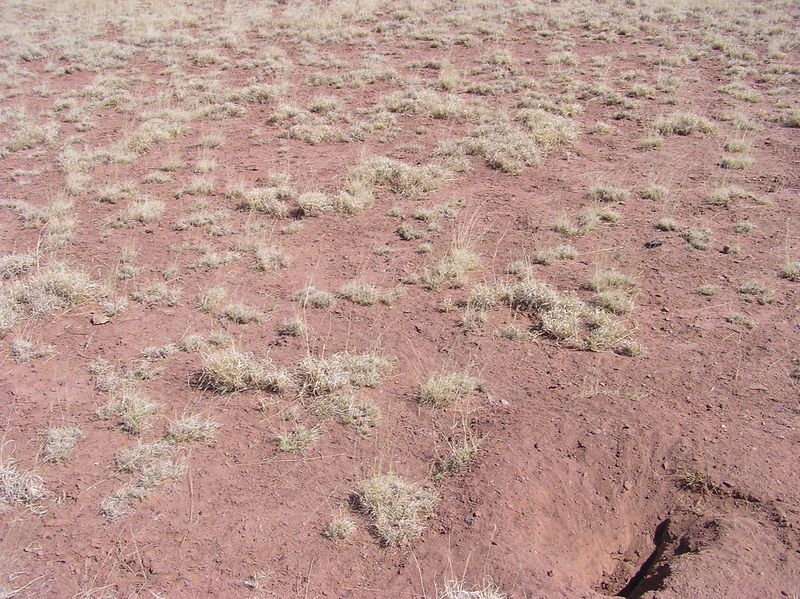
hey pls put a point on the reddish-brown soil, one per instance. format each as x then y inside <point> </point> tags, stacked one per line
<point>576,491</point>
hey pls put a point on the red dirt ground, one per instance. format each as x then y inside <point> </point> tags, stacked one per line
<point>577,484</point>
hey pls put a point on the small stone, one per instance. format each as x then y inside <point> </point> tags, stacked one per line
<point>627,485</point>
<point>100,319</point>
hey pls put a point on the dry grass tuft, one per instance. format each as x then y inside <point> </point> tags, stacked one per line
<point>399,177</point>
<point>25,350</point>
<point>320,376</point>
<point>458,457</point>
<point>610,279</point>
<point>136,457</point>
<point>683,123</point>
<point>61,442</point>
<point>700,238</point>
<point>131,408</point>
<point>156,292</point>
<point>340,527</point>
<point>362,294</point>
<point>297,440</point>
<point>458,589</point>
<point>347,411</point>
<point>230,370</point>
<point>314,298</point>
<point>607,193</point>
<point>53,289</point>
<point>443,390</point>
<point>20,487</point>
<point>242,314</point>
<point>191,428</point>
<point>451,270</point>
<point>791,271</point>
<point>757,291</point>
<point>211,299</point>
<point>151,476</point>
<point>548,256</point>
<point>141,210</point>
<point>13,265</point>
<point>398,509</point>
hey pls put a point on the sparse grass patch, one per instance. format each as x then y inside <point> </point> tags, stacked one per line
<point>610,279</point>
<point>131,408</point>
<point>398,509</point>
<point>150,478</point>
<point>117,192</point>
<point>55,288</point>
<point>723,196</point>
<point>614,301</point>
<point>293,327</point>
<point>667,224</point>
<point>311,297</point>
<point>362,294</point>
<point>298,439</point>
<point>682,123</point>
<point>191,428</point>
<point>399,177</point>
<point>20,487</point>
<point>607,193</point>
<point>25,350</point>
<point>343,407</point>
<point>446,389</point>
<point>156,292</point>
<point>653,192</point>
<point>700,238</point>
<point>269,258</point>
<point>451,270</point>
<point>340,527</point>
<point>736,163</point>
<point>13,265</point>
<point>211,299</point>
<point>230,370</point>
<point>242,314</point>
<point>142,210</point>
<point>131,459</point>
<point>458,589</point>
<point>271,201</point>
<point>742,319</point>
<point>321,376</point>
<point>559,252</point>
<point>707,290</point>
<point>458,457</point>
<point>566,318</point>
<point>60,443</point>
<point>791,271</point>
<point>757,291</point>
<point>743,227</point>
<point>736,146</point>
<point>697,482</point>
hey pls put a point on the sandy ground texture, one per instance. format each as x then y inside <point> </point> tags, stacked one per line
<point>400,299</point>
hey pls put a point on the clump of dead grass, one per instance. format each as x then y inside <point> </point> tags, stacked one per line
<point>297,440</point>
<point>397,509</point>
<point>312,297</point>
<point>340,527</point>
<point>443,390</point>
<point>20,487</point>
<point>319,376</point>
<point>682,123</point>
<point>231,369</point>
<point>191,428</point>
<point>131,408</point>
<point>25,350</point>
<point>60,442</point>
<point>399,177</point>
